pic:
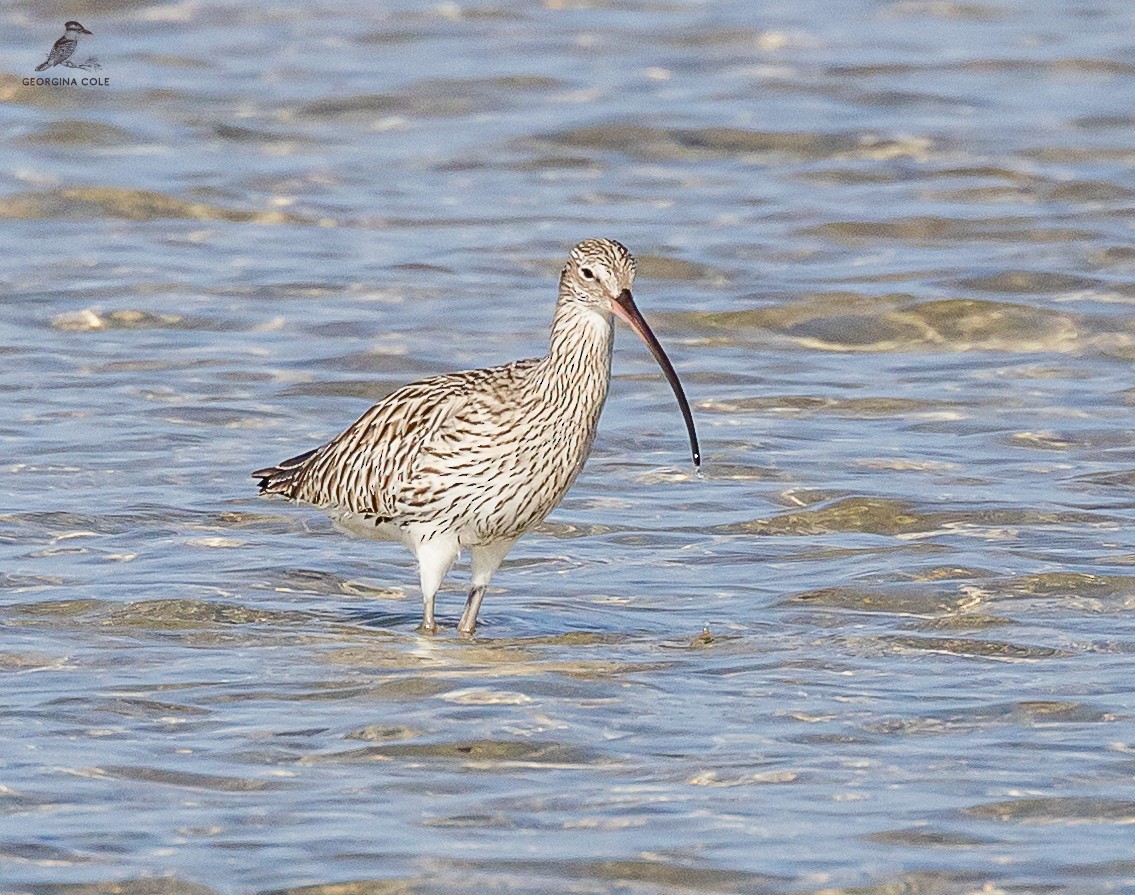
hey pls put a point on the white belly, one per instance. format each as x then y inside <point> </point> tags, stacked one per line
<point>363,526</point>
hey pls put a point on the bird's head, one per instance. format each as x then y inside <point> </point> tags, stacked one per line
<point>73,28</point>
<point>598,271</point>
<point>598,276</point>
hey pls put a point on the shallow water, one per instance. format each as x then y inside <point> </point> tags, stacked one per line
<point>884,644</point>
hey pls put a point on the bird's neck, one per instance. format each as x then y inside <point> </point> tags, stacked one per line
<point>579,356</point>
<point>581,341</point>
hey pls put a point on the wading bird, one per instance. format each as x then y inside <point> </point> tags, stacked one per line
<point>477,458</point>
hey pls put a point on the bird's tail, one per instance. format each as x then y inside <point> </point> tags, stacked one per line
<point>41,66</point>
<point>284,476</point>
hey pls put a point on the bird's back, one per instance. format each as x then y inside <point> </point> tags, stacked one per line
<point>361,470</point>
<point>63,50</point>
<point>476,451</point>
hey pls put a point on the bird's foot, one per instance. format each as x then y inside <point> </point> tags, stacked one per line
<point>424,628</point>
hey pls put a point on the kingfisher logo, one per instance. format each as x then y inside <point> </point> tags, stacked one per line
<point>63,55</point>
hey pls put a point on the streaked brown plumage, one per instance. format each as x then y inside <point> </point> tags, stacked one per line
<point>475,459</point>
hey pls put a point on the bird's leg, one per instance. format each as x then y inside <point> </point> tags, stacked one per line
<point>428,625</point>
<point>486,559</point>
<point>472,607</point>
<point>435,556</point>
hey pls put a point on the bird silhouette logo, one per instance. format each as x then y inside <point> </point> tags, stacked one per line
<point>65,48</point>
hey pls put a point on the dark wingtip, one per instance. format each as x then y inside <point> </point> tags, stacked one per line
<point>280,479</point>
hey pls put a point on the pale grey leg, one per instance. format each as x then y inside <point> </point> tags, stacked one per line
<point>434,556</point>
<point>486,559</point>
<point>472,606</point>
<point>428,625</point>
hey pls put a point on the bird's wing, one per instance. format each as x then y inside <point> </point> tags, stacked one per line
<point>369,467</point>
<point>62,51</point>
<point>379,463</point>
<point>361,469</point>
<point>483,425</point>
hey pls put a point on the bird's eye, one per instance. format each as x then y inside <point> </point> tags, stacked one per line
<point>587,274</point>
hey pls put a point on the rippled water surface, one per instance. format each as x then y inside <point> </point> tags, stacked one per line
<point>886,642</point>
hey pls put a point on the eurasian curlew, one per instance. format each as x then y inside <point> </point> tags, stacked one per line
<point>477,458</point>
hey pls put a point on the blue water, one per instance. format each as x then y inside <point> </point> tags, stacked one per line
<point>884,643</point>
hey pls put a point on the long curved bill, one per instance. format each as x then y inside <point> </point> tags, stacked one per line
<point>625,310</point>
